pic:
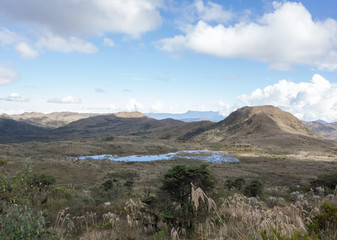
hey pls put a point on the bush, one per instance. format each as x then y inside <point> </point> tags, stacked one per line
<point>325,223</point>
<point>21,223</point>
<point>254,189</point>
<point>326,180</point>
<point>42,181</point>
<point>238,183</point>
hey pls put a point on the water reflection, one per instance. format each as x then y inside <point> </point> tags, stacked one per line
<point>204,155</point>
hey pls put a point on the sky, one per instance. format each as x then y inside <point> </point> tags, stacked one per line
<point>107,56</point>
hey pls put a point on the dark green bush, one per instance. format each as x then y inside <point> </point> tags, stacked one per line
<point>326,180</point>
<point>238,183</point>
<point>42,181</point>
<point>325,223</point>
<point>253,189</point>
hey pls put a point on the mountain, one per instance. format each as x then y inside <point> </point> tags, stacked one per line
<point>327,130</point>
<point>50,120</point>
<point>17,131</point>
<point>190,116</point>
<point>135,123</point>
<point>265,127</point>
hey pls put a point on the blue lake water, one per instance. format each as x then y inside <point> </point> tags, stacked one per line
<point>204,155</point>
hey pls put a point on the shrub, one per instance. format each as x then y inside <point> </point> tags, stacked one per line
<point>21,223</point>
<point>42,181</point>
<point>229,184</point>
<point>325,223</point>
<point>254,189</point>
<point>238,183</point>
<point>326,180</point>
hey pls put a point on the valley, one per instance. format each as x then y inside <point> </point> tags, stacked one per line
<point>270,146</point>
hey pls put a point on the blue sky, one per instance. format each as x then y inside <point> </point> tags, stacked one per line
<point>109,56</point>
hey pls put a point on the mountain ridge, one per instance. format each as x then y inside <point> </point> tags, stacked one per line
<point>261,126</point>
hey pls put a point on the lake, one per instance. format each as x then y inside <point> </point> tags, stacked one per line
<point>204,155</point>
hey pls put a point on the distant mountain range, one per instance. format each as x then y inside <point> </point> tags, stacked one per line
<point>190,116</point>
<point>50,120</point>
<point>263,126</point>
<point>327,130</point>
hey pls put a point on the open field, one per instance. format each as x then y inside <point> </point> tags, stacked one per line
<point>272,169</point>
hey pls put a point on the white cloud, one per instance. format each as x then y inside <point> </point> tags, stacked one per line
<point>26,51</point>
<point>66,45</point>
<point>133,106</point>
<point>282,38</point>
<point>7,76</point>
<point>224,109</point>
<point>15,97</point>
<point>306,100</point>
<point>157,107</point>
<point>108,42</point>
<point>212,12</point>
<point>67,99</point>
<point>8,37</point>
<point>85,17</point>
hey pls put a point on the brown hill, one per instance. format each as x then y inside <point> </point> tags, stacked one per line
<point>50,120</point>
<point>265,127</point>
<point>124,124</point>
<point>327,130</point>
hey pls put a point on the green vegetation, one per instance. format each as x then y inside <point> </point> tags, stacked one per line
<point>324,224</point>
<point>254,189</point>
<point>189,202</point>
<point>328,181</point>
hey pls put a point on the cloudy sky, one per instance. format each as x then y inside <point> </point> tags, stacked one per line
<point>168,56</point>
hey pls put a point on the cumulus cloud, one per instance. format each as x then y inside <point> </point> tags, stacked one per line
<point>66,45</point>
<point>282,38</point>
<point>306,100</point>
<point>224,108</point>
<point>15,97</point>
<point>210,12</point>
<point>157,107</point>
<point>108,42</point>
<point>7,76</point>
<point>67,99</point>
<point>26,51</point>
<point>85,17</point>
<point>133,106</point>
<point>8,37</point>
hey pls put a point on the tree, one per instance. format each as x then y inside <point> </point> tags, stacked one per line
<point>177,181</point>
<point>253,189</point>
<point>175,202</point>
<point>238,183</point>
<point>229,184</point>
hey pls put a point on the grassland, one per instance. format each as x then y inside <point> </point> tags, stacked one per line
<point>77,191</point>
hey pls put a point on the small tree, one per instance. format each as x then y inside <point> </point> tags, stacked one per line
<point>229,184</point>
<point>238,183</point>
<point>177,181</point>
<point>253,189</point>
<point>175,201</point>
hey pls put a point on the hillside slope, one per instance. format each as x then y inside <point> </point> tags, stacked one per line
<point>123,124</point>
<point>327,130</point>
<point>266,127</point>
<point>50,120</point>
